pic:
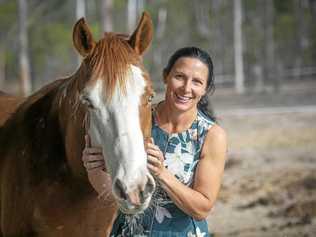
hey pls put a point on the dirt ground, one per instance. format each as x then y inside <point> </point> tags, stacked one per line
<point>269,185</point>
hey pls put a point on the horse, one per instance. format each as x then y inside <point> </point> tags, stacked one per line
<point>44,187</point>
<point>8,104</point>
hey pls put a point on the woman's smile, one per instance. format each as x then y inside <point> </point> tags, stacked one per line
<point>183,99</point>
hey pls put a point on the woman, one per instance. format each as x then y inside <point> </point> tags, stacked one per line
<point>188,154</point>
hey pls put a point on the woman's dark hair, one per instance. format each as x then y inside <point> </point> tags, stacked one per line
<point>204,57</point>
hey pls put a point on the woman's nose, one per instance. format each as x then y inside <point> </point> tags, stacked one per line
<point>187,86</point>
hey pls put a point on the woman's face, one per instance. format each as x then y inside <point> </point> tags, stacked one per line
<point>186,83</point>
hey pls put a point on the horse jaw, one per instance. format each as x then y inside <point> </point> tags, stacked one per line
<point>115,126</point>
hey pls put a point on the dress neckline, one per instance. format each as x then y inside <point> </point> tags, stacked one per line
<point>172,133</point>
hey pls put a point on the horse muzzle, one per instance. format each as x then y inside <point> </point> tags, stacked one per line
<point>133,201</point>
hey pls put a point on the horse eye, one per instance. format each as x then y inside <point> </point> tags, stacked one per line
<point>150,98</point>
<point>86,101</point>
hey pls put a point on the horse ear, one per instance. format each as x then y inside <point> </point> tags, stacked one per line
<point>142,36</point>
<point>82,38</point>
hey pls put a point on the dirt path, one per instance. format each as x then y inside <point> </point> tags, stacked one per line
<point>267,110</point>
<point>269,186</point>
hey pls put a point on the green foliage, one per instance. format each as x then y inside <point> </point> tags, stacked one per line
<point>54,41</point>
<point>119,4</point>
<point>283,7</point>
<point>8,15</point>
<point>284,28</point>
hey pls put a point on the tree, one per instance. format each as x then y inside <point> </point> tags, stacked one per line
<point>269,69</point>
<point>239,66</point>
<point>2,67</point>
<point>80,9</point>
<point>106,15</point>
<point>134,8</point>
<point>23,49</point>
<point>302,40</point>
<point>80,12</point>
<point>202,10</point>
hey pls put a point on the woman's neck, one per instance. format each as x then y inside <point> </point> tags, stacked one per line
<point>174,121</point>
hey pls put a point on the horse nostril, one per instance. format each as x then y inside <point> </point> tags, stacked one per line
<point>120,189</point>
<point>150,186</point>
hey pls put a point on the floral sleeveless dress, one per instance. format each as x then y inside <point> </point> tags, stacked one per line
<point>163,218</point>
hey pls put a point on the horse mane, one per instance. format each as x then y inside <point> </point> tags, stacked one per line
<point>110,60</point>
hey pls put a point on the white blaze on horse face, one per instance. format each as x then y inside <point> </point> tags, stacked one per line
<point>115,126</point>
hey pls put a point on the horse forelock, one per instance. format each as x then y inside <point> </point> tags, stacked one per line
<point>110,62</point>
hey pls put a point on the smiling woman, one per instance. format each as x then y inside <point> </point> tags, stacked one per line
<point>186,83</point>
<point>187,154</point>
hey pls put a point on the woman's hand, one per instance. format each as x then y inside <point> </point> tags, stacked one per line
<point>92,157</point>
<point>155,160</point>
<point>93,161</point>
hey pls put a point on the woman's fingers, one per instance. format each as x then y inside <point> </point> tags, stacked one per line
<point>154,161</point>
<point>154,151</point>
<point>153,146</point>
<point>92,150</point>
<point>92,158</point>
<point>153,169</point>
<point>87,140</point>
<point>93,165</point>
<point>93,161</point>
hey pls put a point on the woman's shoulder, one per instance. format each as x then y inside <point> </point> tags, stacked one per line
<point>204,120</point>
<point>217,136</point>
<point>215,144</point>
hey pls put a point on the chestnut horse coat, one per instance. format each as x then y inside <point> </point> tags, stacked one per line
<point>44,189</point>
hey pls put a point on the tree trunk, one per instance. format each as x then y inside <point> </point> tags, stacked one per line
<point>134,10</point>
<point>80,9</point>
<point>157,56</point>
<point>258,65</point>
<point>140,6</point>
<point>302,40</point>
<point>23,47</point>
<point>131,15</point>
<point>238,48</point>
<point>269,69</point>
<point>2,67</point>
<point>106,15</point>
<point>80,12</point>
<point>161,24</point>
<point>201,10</point>
<point>219,35</point>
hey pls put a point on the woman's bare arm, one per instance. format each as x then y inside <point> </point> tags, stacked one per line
<point>198,200</point>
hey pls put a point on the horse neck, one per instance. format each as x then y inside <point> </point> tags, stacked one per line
<point>34,129</point>
<point>70,108</point>
<point>72,116</point>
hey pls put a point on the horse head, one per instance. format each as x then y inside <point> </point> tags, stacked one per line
<point>117,93</point>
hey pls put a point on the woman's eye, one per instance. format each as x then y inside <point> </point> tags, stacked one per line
<point>197,82</point>
<point>178,76</point>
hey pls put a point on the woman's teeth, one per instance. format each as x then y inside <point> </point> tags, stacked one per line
<point>183,98</point>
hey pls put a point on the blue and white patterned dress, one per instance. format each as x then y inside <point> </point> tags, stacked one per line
<point>163,218</point>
